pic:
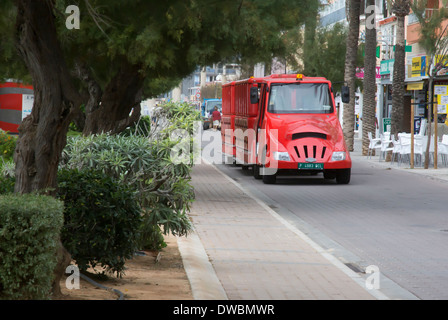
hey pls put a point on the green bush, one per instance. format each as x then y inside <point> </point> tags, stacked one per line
<point>7,145</point>
<point>142,127</point>
<point>102,219</point>
<point>6,184</point>
<point>29,233</point>
<point>162,186</point>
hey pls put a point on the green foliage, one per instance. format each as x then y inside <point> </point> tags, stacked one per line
<point>161,185</point>
<point>433,37</point>
<point>6,184</point>
<point>142,127</point>
<point>148,165</point>
<point>7,145</point>
<point>102,219</point>
<point>29,235</point>
<point>329,50</point>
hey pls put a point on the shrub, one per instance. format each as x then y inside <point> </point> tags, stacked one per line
<point>7,145</point>
<point>102,219</point>
<point>6,184</point>
<point>7,167</point>
<point>162,186</point>
<point>142,127</point>
<point>29,235</point>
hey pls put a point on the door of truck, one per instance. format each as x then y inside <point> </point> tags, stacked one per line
<point>260,124</point>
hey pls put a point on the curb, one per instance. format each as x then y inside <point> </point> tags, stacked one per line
<point>205,285</point>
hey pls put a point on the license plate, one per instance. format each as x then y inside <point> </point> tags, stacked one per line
<point>311,166</point>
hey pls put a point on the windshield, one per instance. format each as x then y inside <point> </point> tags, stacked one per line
<point>211,105</point>
<point>300,98</point>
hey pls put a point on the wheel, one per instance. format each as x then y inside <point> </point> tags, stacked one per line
<point>269,179</point>
<point>343,176</point>
<point>329,175</point>
<point>256,169</point>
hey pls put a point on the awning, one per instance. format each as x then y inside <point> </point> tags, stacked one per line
<point>415,86</point>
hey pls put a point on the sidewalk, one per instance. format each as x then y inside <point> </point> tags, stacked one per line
<point>441,173</point>
<point>243,250</point>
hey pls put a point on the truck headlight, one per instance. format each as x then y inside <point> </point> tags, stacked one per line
<point>281,156</point>
<point>338,156</point>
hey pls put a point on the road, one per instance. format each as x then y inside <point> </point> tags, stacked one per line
<point>392,219</point>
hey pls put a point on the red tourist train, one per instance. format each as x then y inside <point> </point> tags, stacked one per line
<point>284,123</point>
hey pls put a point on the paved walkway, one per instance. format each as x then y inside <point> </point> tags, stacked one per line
<point>441,173</point>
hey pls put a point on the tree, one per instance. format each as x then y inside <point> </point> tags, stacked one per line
<point>434,39</point>
<point>309,43</point>
<point>369,101</point>
<point>43,133</point>
<point>170,40</point>
<point>401,9</point>
<point>116,51</point>
<point>329,50</point>
<point>351,55</point>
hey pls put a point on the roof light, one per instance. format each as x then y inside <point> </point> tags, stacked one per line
<point>299,76</point>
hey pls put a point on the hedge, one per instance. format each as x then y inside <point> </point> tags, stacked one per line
<point>30,227</point>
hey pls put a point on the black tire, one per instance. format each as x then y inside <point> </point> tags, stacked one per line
<point>343,176</point>
<point>256,169</point>
<point>329,175</point>
<point>269,179</point>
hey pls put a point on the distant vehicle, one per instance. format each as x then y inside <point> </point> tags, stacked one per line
<point>207,108</point>
<point>284,123</point>
<point>16,102</point>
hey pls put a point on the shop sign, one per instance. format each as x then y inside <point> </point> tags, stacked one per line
<point>442,98</point>
<point>387,123</point>
<point>441,65</point>
<point>418,68</point>
<point>360,73</point>
<point>387,67</point>
<point>415,86</point>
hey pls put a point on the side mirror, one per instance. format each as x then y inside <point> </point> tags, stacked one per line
<point>253,95</point>
<point>345,94</point>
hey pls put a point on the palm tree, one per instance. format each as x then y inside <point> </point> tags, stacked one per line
<point>369,102</point>
<point>351,55</point>
<point>401,9</point>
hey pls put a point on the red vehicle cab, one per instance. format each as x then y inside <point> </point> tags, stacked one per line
<point>286,124</point>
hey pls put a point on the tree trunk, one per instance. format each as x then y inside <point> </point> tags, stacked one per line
<point>350,72</point>
<point>121,96</point>
<point>430,117</point>
<point>42,135</point>
<point>398,89</point>
<point>369,101</point>
<point>309,48</point>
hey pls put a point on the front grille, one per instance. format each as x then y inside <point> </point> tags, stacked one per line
<point>310,151</point>
<point>301,135</point>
